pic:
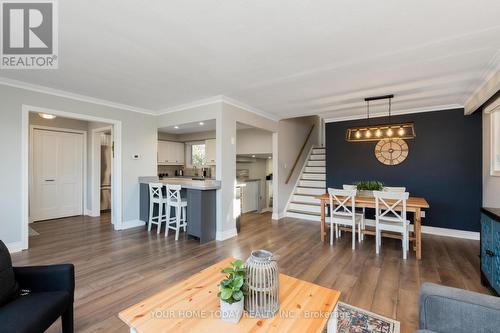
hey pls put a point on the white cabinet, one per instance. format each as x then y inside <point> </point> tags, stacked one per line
<point>210,152</point>
<point>170,153</point>
<point>250,197</point>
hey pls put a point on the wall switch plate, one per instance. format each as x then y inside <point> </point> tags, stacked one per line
<point>423,213</point>
<point>135,156</point>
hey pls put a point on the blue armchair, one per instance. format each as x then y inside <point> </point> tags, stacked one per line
<point>451,310</point>
<point>32,298</point>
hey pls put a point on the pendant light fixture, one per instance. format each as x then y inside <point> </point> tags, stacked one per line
<point>379,132</point>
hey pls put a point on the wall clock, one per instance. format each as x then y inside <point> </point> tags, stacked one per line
<point>391,151</point>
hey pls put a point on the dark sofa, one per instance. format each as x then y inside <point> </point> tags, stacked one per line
<point>33,298</point>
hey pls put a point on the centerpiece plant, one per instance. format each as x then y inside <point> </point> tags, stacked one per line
<point>369,185</point>
<point>232,291</point>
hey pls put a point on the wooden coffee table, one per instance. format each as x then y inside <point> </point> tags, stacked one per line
<point>192,306</point>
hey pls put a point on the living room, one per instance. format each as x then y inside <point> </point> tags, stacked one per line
<point>370,174</point>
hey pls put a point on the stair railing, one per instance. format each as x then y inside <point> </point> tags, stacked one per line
<point>300,154</point>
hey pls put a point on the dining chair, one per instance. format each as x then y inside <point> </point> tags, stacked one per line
<point>360,210</point>
<point>387,217</point>
<point>343,214</point>
<point>394,189</point>
<point>156,198</point>
<point>175,201</point>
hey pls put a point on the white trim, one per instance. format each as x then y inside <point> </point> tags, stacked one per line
<point>85,161</point>
<point>95,160</point>
<point>226,234</point>
<point>65,94</point>
<point>494,146</point>
<point>278,216</point>
<point>395,113</point>
<point>15,247</point>
<point>116,214</point>
<point>131,224</point>
<point>219,99</point>
<point>450,232</point>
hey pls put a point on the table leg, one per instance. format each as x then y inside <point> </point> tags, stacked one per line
<point>322,212</point>
<point>418,233</point>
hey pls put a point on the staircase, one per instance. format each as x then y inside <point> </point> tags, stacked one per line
<point>311,182</point>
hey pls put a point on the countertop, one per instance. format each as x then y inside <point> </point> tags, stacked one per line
<point>494,213</point>
<point>188,183</point>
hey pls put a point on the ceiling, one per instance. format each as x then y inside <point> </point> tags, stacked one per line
<point>196,127</point>
<point>286,59</point>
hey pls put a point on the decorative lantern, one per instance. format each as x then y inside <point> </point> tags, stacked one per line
<point>262,300</point>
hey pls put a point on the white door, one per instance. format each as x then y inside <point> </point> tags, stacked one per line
<point>57,175</point>
<point>250,197</point>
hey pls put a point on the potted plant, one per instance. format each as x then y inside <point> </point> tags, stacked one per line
<point>232,292</point>
<point>366,188</point>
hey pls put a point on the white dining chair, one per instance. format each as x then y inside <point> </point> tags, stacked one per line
<point>156,198</point>
<point>179,205</point>
<point>343,214</point>
<point>394,189</point>
<point>360,210</point>
<point>390,215</point>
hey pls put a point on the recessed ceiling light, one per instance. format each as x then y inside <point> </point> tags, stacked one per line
<point>201,123</point>
<point>46,116</point>
<point>253,155</point>
<point>269,157</point>
<point>176,127</point>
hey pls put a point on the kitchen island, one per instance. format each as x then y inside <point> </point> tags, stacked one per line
<point>201,204</point>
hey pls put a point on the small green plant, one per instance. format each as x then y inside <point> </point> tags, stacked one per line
<point>233,288</point>
<point>370,185</point>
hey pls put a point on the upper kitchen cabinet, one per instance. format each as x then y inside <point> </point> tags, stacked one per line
<point>170,153</point>
<point>210,152</point>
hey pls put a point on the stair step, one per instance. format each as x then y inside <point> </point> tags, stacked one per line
<point>316,163</point>
<point>305,207</point>
<point>315,169</point>
<point>319,157</point>
<point>313,183</point>
<point>313,176</point>
<point>307,198</point>
<point>318,151</point>
<point>310,190</point>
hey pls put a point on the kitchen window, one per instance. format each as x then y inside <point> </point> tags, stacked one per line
<point>198,154</point>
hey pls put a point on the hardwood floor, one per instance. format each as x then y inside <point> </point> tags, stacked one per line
<point>117,269</point>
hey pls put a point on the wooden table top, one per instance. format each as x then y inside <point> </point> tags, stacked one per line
<point>416,202</point>
<point>192,306</point>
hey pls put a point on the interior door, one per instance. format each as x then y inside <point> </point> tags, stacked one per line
<point>57,181</point>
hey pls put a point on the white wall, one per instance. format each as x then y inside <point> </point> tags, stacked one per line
<point>291,136</point>
<point>491,184</point>
<point>139,133</point>
<point>254,141</point>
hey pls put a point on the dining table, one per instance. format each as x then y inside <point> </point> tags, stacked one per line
<point>414,205</point>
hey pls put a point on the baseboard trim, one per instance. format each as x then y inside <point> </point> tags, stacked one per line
<point>15,247</point>
<point>89,212</point>
<point>450,232</point>
<point>131,224</point>
<point>223,235</point>
<point>278,216</point>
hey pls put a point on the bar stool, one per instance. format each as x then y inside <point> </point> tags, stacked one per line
<point>156,198</point>
<point>175,201</point>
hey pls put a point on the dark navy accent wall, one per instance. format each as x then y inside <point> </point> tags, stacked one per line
<point>444,164</point>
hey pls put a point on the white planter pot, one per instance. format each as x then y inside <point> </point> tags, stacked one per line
<point>231,313</point>
<point>365,193</point>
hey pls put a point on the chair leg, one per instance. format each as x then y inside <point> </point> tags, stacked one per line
<point>177,221</point>
<point>354,236</point>
<point>67,320</point>
<point>184,218</point>
<point>359,232</point>
<point>150,221</point>
<point>167,223</point>
<point>160,214</point>
<point>332,226</point>
<point>377,244</point>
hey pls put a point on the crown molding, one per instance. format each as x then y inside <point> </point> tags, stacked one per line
<point>219,99</point>
<point>395,113</point>
<point>66,94</point>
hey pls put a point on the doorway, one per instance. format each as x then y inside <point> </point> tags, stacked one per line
<point>102,170</point>
<point>116,188</point>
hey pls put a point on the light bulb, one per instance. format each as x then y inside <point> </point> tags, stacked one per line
<point>389,132</point>
<point>401,131</point>
<point>378,133</point>
<point>47,116</point>
<point>358,134</point>
<point>368,134</point>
